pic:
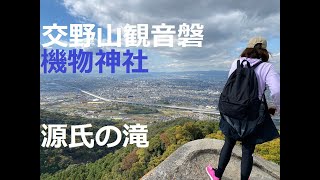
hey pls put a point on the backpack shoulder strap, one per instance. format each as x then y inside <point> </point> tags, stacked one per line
<point>257,64</point>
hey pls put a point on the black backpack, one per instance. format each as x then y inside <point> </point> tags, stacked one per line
<point>239,102</point>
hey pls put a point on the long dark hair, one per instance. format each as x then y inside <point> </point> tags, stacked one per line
<point>256,52</point>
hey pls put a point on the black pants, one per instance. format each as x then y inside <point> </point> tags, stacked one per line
<point>246,161</point>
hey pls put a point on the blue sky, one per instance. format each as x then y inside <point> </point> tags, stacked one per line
<point>228,25</point>
<point>52,11</point>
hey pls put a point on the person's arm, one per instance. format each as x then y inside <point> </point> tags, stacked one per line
<point>273,82</point>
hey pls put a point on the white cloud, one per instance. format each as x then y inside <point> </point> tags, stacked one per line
<point>227,23</point>
<point>275,60</point>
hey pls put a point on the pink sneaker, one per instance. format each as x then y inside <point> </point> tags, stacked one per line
<point>210,172</point>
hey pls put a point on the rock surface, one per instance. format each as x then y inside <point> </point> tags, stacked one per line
<point>189,161</point>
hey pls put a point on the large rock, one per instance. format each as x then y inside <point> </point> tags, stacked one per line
<point>189,162</point>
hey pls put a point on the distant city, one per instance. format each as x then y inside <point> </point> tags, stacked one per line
<point>112,96</point>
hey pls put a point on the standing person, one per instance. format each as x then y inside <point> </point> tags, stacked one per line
<point>255,52</point>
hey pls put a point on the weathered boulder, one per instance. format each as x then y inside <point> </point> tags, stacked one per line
<point>189,161</point>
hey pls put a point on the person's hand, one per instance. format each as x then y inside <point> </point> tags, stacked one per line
<point>272,110</point>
